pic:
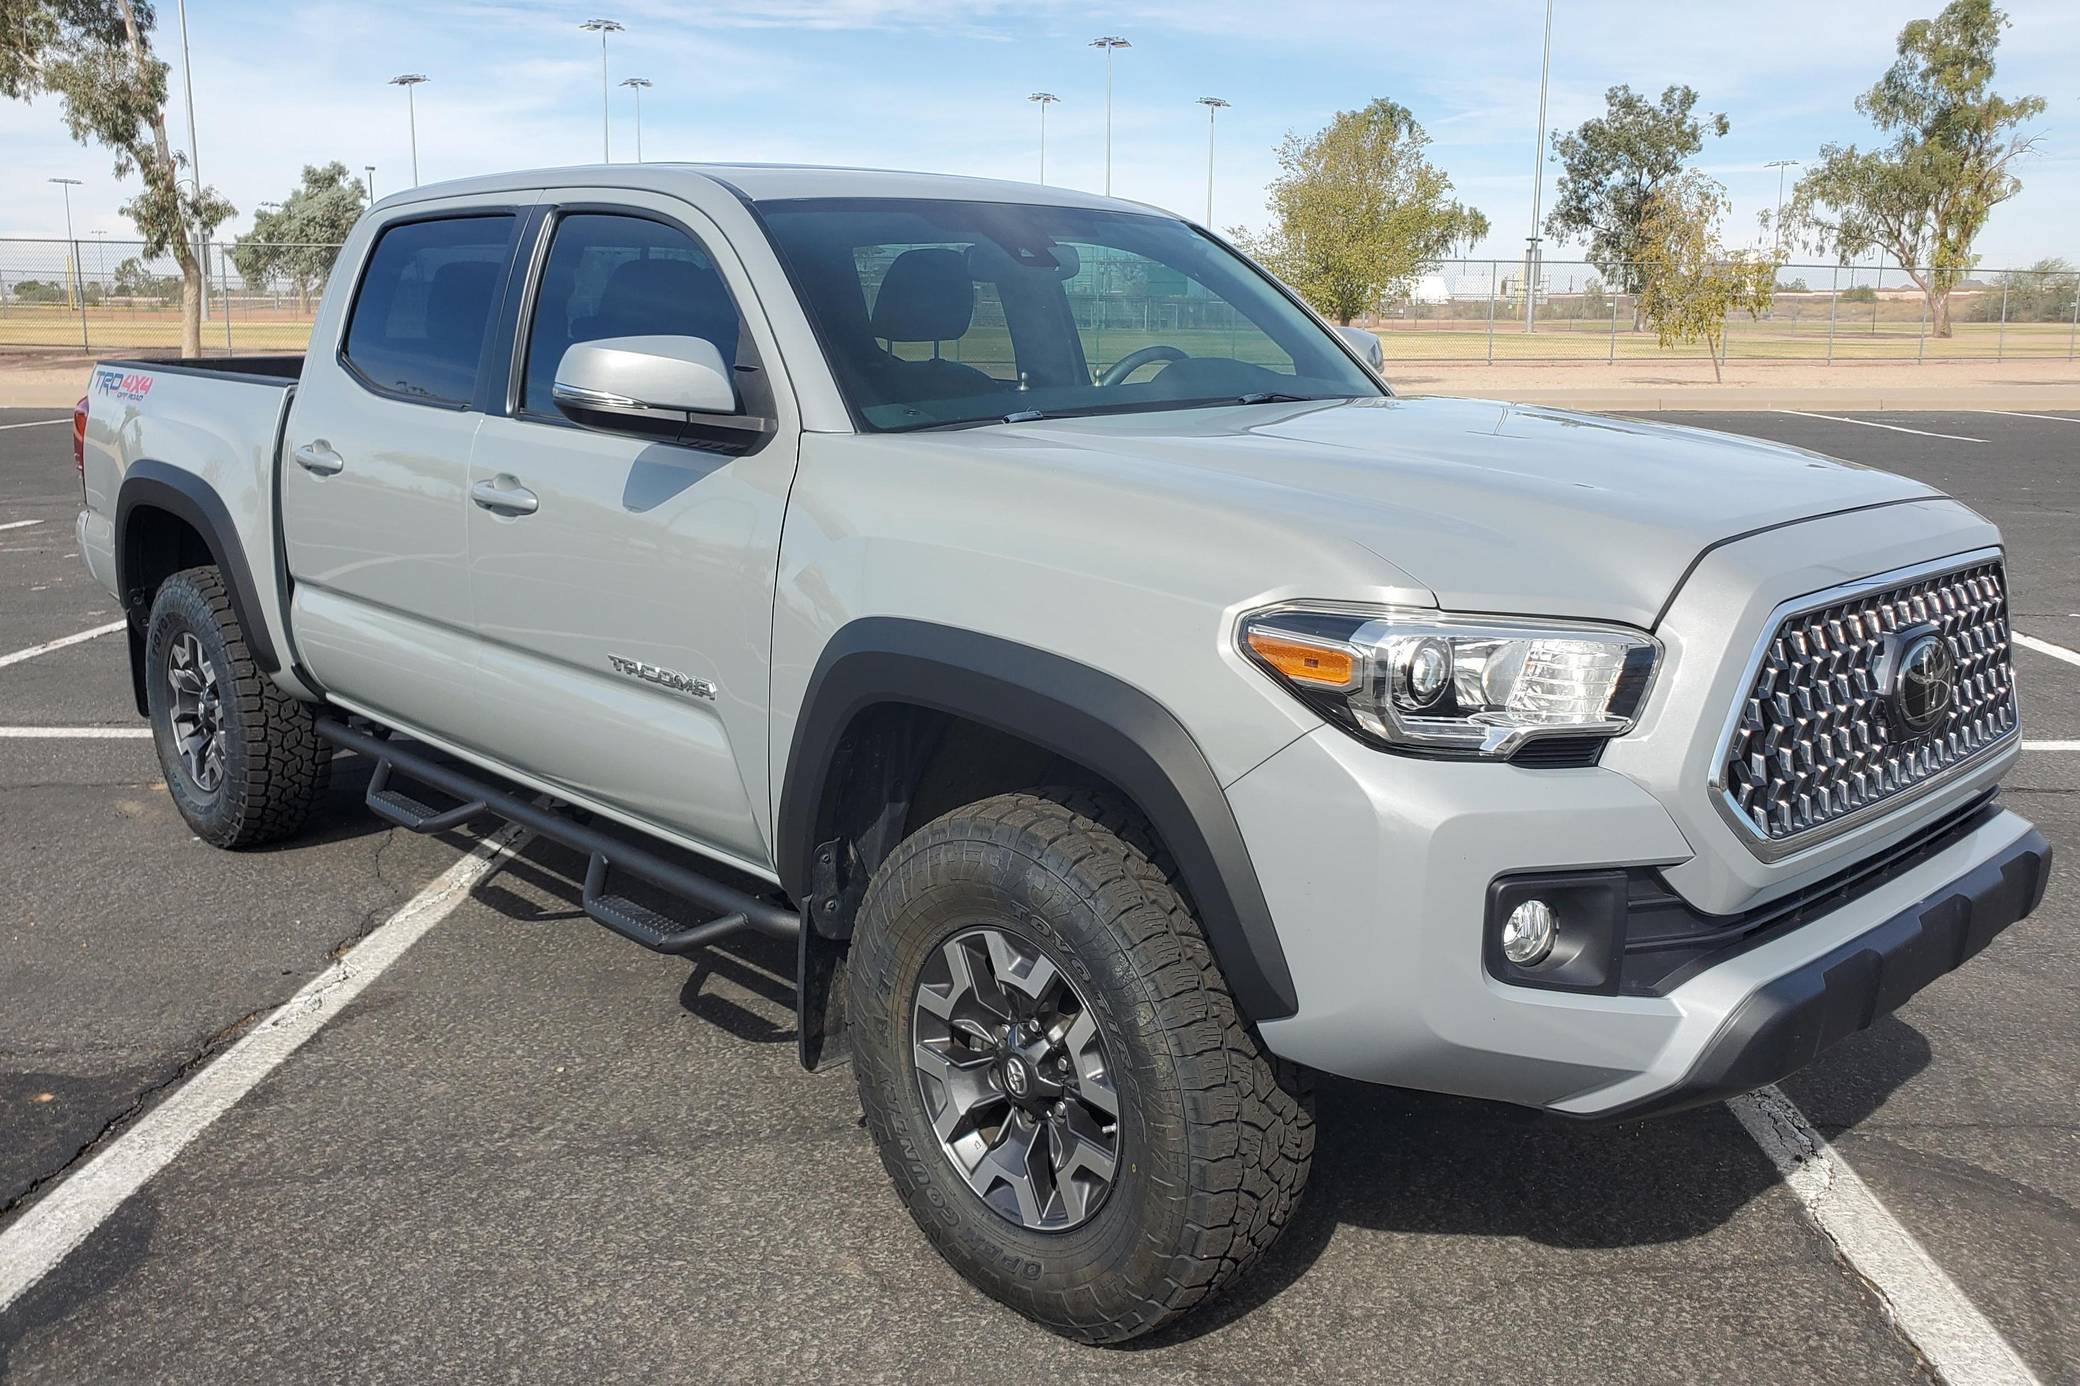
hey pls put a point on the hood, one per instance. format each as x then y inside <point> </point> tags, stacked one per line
<point>1493,507</point>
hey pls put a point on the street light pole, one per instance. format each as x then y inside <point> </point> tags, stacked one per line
<point>411,109</point>
<point>637,84</point>
<point>370,170</point>
<point>194,151</point>
<point>1212,104</point>
<point>1043,99</point>
<point>1109,42</point>
<point>603,27</point>
<point>73,295</point>
<point>1538,178</point>
<point>1777,222</point>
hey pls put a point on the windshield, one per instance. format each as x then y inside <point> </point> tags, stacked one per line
<point>937,313</point>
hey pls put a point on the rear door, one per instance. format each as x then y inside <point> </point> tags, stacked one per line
<point>624,618</point>
<point>378,446</point>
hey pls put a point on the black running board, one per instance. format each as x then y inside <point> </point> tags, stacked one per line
<point>735,909</point>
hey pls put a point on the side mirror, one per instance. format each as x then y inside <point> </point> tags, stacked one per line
<point>622,380</point>
<point>1366,344</point>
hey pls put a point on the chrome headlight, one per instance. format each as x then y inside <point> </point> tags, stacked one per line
<point>1437,684</point>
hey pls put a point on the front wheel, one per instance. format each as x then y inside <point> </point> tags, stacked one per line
<point>1054,1072</point>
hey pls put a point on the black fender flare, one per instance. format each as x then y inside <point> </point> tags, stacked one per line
<point>1079,713</point>
<point>156,485</point>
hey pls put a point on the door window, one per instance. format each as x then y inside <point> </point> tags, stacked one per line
<point>425,305</point>
<point>621,276</point>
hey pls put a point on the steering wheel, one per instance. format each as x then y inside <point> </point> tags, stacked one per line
<point>1133,361</point>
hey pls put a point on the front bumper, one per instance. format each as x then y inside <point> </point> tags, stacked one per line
<point>1376,868</point>
<point>1778,1027</point>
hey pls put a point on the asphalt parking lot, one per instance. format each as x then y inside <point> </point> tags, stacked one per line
<point>530,1150</point>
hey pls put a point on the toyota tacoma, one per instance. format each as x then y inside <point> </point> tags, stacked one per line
<point>1126,705</point>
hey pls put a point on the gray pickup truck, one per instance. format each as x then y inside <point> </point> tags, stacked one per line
<point>1127,705</point>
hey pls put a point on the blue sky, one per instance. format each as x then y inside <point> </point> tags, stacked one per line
<point>941,85</point>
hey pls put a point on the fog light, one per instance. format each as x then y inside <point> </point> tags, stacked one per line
<point>1528,933</point>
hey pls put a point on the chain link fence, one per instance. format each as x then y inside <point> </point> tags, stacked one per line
<point>1479,310</point>
<point>101,295</point>
<point>98,295</point>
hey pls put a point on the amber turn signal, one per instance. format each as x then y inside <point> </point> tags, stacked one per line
<point>1303,661</point>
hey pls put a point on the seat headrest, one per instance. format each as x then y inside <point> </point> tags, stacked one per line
<point>458,298</point>
<point>926,296</point>
<point>645,298</point>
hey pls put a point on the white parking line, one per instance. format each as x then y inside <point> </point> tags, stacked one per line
<point>2045,647</point>
<point>34,423</point>
<point>2012,414</point>
<point>2051,745</point>
<point>34,650</point>
<point>1869,423</point>
<point>87,734</point>
<point>20,524</point>
<point>65,1217</point>
<point>1944,1326</point>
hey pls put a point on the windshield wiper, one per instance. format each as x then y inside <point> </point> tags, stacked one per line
<point>1277,397</point>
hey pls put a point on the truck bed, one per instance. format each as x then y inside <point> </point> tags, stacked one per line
<point>284,367</point>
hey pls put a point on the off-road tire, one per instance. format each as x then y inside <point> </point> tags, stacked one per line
<point>274,766</point>
<point>1215,1136</point>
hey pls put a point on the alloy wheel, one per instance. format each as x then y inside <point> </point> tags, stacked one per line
<point>1016,1080</point>
<point>197,713</point>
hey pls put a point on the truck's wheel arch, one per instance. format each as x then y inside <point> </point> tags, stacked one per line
<point>1081,714</point>
<point>150,491</point>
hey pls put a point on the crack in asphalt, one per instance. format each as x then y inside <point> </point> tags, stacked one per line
<point>209,1049</point>
<point>214,1043</point>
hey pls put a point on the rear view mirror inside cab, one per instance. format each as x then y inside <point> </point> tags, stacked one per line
<point>991,263</point>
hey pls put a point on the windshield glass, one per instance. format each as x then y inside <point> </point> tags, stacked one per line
<point>936,313</point>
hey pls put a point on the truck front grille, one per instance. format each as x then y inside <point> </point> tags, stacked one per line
<point>1819,739</point>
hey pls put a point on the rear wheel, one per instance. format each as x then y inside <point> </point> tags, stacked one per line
<point>1054,1071</point>
<point>242,759</point>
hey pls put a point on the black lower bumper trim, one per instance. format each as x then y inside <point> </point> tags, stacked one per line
<point>1781,1027</point>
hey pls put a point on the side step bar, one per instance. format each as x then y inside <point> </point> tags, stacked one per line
<point>736,909</point>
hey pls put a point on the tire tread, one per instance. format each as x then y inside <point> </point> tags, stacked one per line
<point>1249,1120</point>
<point>287,768</point>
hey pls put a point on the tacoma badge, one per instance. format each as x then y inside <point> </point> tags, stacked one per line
<point>663,678</point>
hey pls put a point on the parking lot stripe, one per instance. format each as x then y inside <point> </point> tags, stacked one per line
<point>34,423</point>
<point>69,1213</point>
<point>1869,423</point>
<point>2051,745</point>
<point>71,733</point>
<point>2013,414</point>
<point>1944,1326</point>
<point>20,524</point>
<point>2045,647</point>
<point>34,650</point>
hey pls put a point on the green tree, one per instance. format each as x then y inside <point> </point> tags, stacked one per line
<point>1612,166</point>
<point>132,279</point>
<point>93,55</point>
<point>299,240</point>
<point>1924,197</point>
<point>1689,282</point>
<point>1359,212</point>
<point>2042,293</point>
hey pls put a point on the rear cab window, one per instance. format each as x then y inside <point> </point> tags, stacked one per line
<point>425,304</point>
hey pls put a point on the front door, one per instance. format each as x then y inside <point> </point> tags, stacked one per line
<point>374,517</point>
<point>623,586</point>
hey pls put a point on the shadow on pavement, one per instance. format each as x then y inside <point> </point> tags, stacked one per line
<point>1392,1160</point>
